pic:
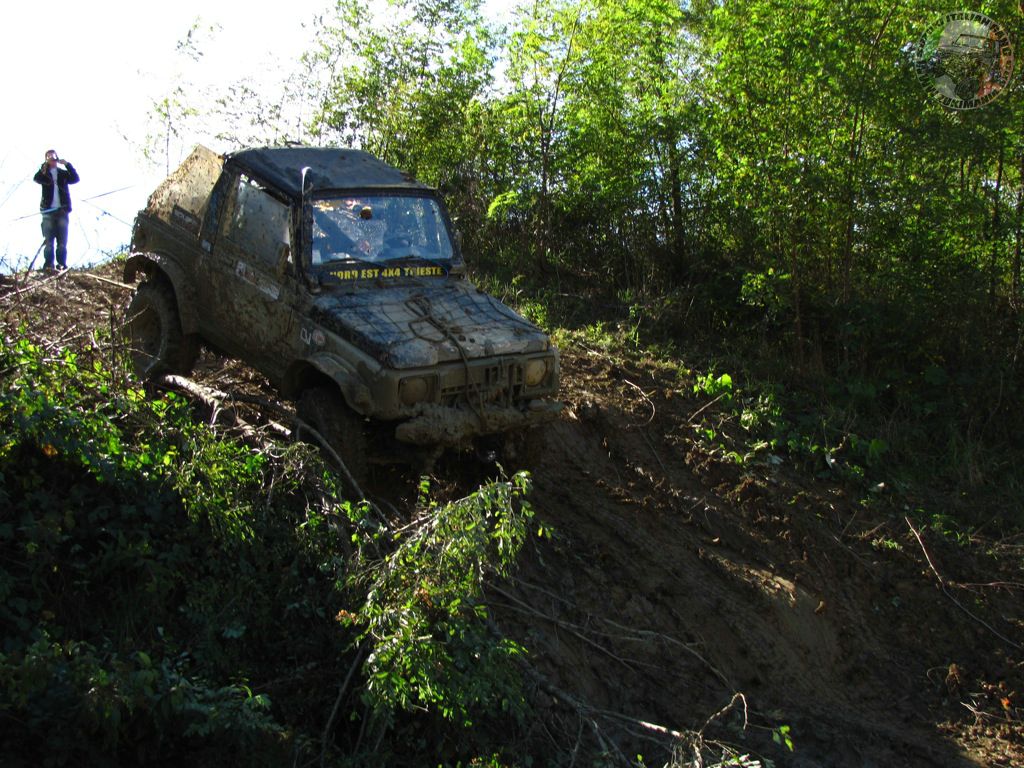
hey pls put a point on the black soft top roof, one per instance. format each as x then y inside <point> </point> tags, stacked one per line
<point>330,168</point>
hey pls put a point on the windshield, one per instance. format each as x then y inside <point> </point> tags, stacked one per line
<point>378,229</point>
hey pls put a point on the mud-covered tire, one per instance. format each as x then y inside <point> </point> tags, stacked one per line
<point>324,410</point>
<point>153,333</point>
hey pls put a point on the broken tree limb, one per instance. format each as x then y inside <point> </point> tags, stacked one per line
<point>587,712</point>
<point>646,397</point>
<point>33,286</point>
<point>703,408</point>
<point>337,703</point>
<point>571,628</point>
<point>211,398</point>
<point>214,400</point>
<point>106,280</point>
<point>950,595</point>
<point>302,426</point>
<point>636,632</point>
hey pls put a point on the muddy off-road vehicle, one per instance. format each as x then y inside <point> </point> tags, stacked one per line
<point>337,276</point>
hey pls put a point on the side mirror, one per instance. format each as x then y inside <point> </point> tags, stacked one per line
<point>458,261</point>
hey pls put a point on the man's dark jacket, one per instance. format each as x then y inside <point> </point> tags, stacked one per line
<point>70,176</point>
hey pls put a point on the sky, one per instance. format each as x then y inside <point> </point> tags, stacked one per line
<point>82,78</point>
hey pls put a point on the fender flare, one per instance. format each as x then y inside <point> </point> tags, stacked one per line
<point>184,292</point>
<point>340,372</point>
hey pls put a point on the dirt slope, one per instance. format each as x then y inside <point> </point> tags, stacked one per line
<point>678,578</point>
<point>675,579</point>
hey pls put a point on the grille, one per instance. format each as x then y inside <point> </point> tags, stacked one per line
<point>501,383</point>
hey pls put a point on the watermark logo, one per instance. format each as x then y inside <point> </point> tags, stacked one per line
<point>964,59</point>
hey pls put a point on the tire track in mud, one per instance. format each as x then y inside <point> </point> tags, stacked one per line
<point>679,553</point>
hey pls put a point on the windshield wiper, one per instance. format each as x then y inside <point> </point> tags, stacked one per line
<point>343,258</point>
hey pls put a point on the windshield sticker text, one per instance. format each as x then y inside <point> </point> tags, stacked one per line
<point>371,273</point>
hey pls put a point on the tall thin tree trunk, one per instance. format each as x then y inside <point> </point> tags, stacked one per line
<point>1017,244</point>
<point>995,233</point>
<point>678,233</point>
<point>851,204</point>
<point>543,208</point>
<point>854,157</point>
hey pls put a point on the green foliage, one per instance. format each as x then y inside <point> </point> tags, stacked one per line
<point>781,736</point>
<point>98,548</point>
<point>714,386</point>
<point>403,81</point>
<point>169,594</point>
<point>771,424</point>
<point>110,704</point>
<point>882,543</point>
<point>425,617</point>
<point>768,291</point>
<point>503,205</point>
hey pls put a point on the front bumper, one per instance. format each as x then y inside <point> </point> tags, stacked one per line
<point>439,425</point>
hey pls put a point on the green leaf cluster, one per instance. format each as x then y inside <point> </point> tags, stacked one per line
<point>425,615</point>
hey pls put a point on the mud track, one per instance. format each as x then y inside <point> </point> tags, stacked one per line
<point>677,578</point>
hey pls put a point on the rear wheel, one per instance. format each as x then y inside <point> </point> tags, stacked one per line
<point>323,409</point>
<point>153,331</point>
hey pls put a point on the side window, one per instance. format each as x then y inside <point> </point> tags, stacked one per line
<point>257,223</point>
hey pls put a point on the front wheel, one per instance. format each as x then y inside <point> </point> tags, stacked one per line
<point>153,332</point>
<point>323,409</point>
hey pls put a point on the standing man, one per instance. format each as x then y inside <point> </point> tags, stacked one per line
<point>54,175</point>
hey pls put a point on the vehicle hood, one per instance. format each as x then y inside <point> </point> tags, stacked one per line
<point>411,325</point>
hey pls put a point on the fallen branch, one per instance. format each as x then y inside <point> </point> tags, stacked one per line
<point>947,593</point>
<point>571,628</point>
<point>646,397</point>
<point>650,445</point>
<point>280,429</point>
<point>992,584</point>
<point>211,398</point>
<point>585,710</point>
<point>214,400</point>
<point>263,402</point>
<point>33,286</point>
<point>645,633</point>
<point>643,723</point>
<point>727,708</point>
<point>301,426</point>
<point>337,704</point>
<point>588,713</point>
<point>106,280</point>
<point>638,634</point>
<point>703,408</point>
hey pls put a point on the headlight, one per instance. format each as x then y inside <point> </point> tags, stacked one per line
<point>413,390</point>
<point>534,372</point>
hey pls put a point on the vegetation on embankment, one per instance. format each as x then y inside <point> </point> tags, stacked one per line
<point>179,584</point>
<point>169,594</point>
<point>941,439</point>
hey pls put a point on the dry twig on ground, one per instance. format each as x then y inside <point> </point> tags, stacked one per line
<point>942,585</point>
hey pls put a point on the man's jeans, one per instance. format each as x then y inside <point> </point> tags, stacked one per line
<point>55,227</point>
